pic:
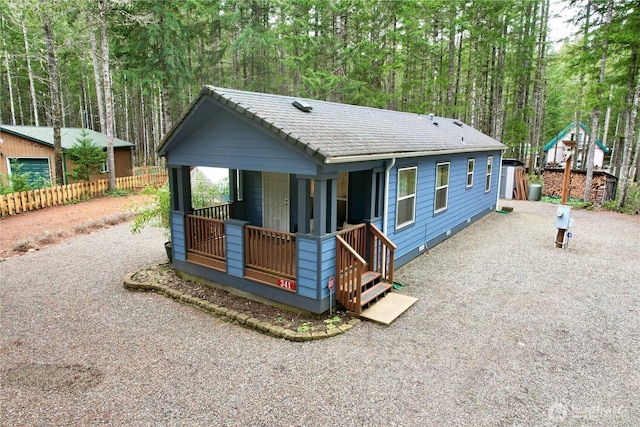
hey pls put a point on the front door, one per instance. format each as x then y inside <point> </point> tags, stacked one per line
<point>275,201</point>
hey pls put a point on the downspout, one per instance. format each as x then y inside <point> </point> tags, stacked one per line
<point>500,179</point>
<point>385,213</point>
<point>500,183</point>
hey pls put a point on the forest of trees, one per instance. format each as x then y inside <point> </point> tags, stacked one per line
<point>130,68</point>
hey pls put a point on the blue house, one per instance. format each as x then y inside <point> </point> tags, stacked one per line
<point>327,199</point>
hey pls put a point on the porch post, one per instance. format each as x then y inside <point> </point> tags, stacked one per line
<point>333,205</point>
<point>319,207</point>
<point>233,193</point>
<point>233,185</point>
<point>304,211</point>
<point>180,185</point>
<point>180,204</point>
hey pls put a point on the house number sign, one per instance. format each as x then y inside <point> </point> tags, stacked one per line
<point>287,284</point>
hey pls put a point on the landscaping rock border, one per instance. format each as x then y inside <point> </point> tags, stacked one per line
<point>233,316</point>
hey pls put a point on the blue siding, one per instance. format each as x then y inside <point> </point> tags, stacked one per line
<point>253,197</point>
<point>327,266</point>
<point>316,264</point>
<point>235,247</point>
<point>316,256</point>
<point>216,137</point>
<point>177,236</point>
<point>464,204</point>
<point>307,266</point>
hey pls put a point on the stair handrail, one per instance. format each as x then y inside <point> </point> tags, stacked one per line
<point>349,269</point>
<point>382,256</point>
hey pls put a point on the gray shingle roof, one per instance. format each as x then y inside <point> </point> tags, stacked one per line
<point>44,134</point>
<point>337,132</point>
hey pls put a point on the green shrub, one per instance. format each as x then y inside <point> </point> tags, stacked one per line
<point>156,212</point>
<point>631,204</point>
<point>86,156</point>
<point>21,181</point>
<point>535,179</point>
<point>117,192</point>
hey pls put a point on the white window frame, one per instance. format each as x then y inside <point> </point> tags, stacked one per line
<point>441,187</point>
<point>471,167</point>
<point>104,167</point>
<point>487,184</point>
<point>412,195</point>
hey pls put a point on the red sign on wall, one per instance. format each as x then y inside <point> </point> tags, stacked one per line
<point>289,285</point>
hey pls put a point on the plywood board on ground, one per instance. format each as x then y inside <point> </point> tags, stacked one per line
<point>388,308</point>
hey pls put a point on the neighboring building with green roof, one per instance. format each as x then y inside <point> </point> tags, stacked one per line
<point>31,147</point>
<point>555,147</point>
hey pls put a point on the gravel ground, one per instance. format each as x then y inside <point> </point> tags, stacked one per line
<point>509,330</point>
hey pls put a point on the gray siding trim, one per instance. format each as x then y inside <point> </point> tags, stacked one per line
<point>405,155</point>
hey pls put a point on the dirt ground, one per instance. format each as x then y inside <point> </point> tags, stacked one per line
<point>36,229</point>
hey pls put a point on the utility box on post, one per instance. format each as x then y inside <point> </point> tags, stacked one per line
<point>563,217</point>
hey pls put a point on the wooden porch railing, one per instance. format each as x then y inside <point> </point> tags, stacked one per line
<point>356,237</point>
<point>215,212</point>
<point>205,236</point>
<point>270,251</point>
<point>379,252</point>
<point>352,252</point>
<point>350,267</point>
<point>382,251</point>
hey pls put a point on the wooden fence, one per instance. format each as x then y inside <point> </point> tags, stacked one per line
<point>15,203</point>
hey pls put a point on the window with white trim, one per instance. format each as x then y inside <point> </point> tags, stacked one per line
<point>487,185</point>
<point>471,164</point>
<point>442,187</point>
<point>406,205</point>
<point>104,167</point>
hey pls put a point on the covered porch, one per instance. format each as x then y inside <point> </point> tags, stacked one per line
<point>304,247</point>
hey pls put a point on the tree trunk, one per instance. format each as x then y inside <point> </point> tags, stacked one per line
<point>56,109</point>
<point>607,118</point>
<point>95,59</point>
<point>629,130</point>
<point>10,86</point>
<point>616,157</point>
<point>32,89</point>
<point>636,158</point>
<point>539,88</point>
<point>596,110</point>
<point>108,98</point>
<point>166,121</point>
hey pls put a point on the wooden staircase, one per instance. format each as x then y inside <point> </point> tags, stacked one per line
<point>372,288</point>
<point>358,285</point>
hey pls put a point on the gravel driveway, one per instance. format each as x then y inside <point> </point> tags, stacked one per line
<point>508,330</point>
